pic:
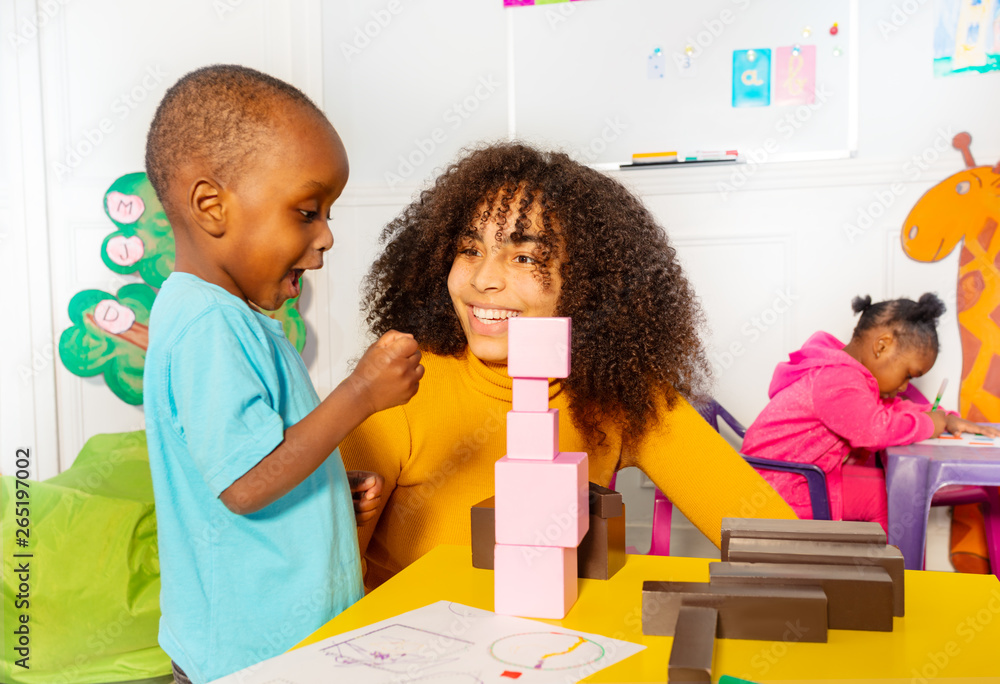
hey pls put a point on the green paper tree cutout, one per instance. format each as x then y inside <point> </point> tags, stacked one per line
<point>132,205</point>
<point>88,349</point>
<point>291,321</point>
<point>109,334</point>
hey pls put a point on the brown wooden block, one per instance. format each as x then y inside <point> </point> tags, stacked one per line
<point>845,531</point>
<point>825,553</point>
<point>602,552</point>
<point>745,611</point>
<point>600,555</point>
<point>857,597</point>
<point>604,502</point>
<point>484,534</point>
<point>693,650</point>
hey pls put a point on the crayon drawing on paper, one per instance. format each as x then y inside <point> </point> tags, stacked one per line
<point>966,36</point>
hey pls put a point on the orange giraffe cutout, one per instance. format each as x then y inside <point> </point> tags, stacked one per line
<point>965,208</point>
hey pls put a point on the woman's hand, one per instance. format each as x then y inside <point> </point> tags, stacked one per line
<point>366,490</point>
<point>957,426</point>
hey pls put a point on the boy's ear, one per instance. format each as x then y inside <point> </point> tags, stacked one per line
<point>206,206</point>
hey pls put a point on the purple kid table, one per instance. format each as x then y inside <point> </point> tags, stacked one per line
<point>913,474</point>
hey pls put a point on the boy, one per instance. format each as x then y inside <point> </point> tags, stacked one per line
<point>258,546</point>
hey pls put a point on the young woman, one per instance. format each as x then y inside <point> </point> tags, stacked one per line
<point>513,231</point>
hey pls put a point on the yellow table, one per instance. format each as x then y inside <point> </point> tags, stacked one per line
<point>951,632</point>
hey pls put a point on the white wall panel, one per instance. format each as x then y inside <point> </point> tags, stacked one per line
<point>27,385</point>
<point>748,317</point>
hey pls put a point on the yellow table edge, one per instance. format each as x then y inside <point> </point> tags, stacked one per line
<point>951,631</point>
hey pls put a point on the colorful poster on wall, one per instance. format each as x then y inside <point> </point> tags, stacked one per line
<point>751,78</point>
<point>794,75</point>
<point>526,3</point>
<point>966,36</point>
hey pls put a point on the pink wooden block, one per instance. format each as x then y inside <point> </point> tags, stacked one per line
<point>531,394</point>
<point>533,435</point>
<point>542,503</point>
<point>534,581</point>
<point>538,347</point>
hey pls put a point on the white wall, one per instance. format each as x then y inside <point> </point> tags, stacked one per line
<point>752,237</point>
<point>432,78</point>
<point>27,379</point>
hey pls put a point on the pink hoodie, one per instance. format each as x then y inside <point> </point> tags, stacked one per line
<point>824,403</point>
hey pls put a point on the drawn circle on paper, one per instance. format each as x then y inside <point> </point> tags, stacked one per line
<point>546,651</point>
<point>125,209</point>
<point>112,317</point>
<point>125,251</point>
<point>464,611</point>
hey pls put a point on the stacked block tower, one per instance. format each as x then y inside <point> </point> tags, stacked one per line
<point>542,511</point>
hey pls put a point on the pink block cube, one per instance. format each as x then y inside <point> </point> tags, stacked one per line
<point>542,503</point>
<point>532,435</point>
<point>534,581</point>
<point>531,394</point>
<point>538,347</point>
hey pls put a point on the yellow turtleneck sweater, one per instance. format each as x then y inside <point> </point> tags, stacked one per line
<point>437,454</point>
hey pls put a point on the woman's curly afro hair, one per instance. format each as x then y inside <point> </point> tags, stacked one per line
<point>636,320</point>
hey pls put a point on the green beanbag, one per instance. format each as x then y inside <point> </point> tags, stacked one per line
<point>91,590</point>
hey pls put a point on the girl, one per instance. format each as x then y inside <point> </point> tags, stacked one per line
<point>513,231</point>
<point>830,398</point>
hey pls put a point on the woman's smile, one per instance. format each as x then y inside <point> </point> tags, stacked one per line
<point>490,320</point>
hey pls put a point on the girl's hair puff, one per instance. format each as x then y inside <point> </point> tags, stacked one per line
<point>636,320</point>
<point>914,323</point>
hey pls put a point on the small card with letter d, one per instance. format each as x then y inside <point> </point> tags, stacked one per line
<point>751,78</point>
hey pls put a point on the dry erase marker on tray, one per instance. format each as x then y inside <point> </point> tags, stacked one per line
<point>647,160</point>
<point>654,157</point>
<point>713,155</point>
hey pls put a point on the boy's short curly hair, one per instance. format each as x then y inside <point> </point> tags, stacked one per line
<point>636,321</point>
<point>219,115</point>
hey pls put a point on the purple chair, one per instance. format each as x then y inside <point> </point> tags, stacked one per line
<point>659,544</point>
<point>713,412</point>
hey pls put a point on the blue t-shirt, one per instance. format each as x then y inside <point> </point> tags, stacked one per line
<point>221,385</point>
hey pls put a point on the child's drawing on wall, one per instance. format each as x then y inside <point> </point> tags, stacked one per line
<point>966,36</point>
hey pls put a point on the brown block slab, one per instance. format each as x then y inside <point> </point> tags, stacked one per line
<point>484,533</point>
<point>602,552</point>
<point>825,553</point>
<point>600,555</point>
<point>604,502</point>
<point>844,531</point>
<point>693,651</point>
<point>858,597</point>
<point>745,611</point>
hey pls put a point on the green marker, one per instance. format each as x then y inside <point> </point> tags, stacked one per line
<point>726,679</point>
<point>944,383</point>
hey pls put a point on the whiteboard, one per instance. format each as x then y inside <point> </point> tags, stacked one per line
<point>581,80</point>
